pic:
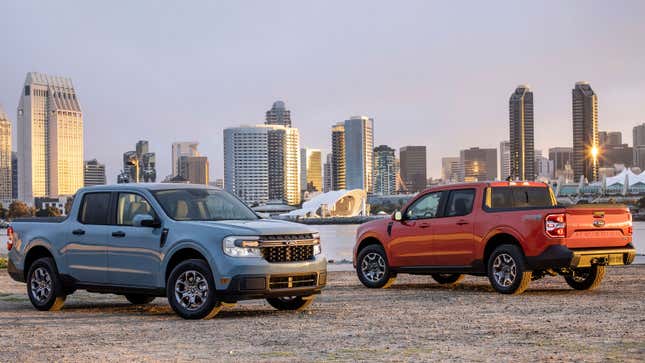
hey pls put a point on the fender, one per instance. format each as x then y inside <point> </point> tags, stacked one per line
<point>370,234</point>
<point>178,245</point>
<point>505,229</point>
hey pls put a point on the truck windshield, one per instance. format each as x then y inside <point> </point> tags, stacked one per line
<point>202,205</point>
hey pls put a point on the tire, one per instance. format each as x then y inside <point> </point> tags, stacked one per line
<point>191,290</point>
<point>373,269</point>
<point>448,279</point>
<point>586,278</point>
<point>44,286</point>
<point>507,270</point>
<point>295,303</point>
<point>139,299</point>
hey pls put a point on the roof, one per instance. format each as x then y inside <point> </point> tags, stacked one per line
<point>148,186</point>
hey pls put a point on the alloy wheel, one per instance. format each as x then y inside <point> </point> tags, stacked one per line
<point>373,267</point>
<point>191,290</point>
<point>504,269</point>
<point>41,285</point>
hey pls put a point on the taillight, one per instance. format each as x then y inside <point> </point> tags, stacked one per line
<point>555,225</point>
<point>10,238</point>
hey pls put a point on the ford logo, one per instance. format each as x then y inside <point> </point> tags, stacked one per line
<point>598,223</point>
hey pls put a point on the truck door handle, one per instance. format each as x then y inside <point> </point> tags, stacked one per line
<point>78,232</point>
<point>118,234</point>
<point>462,222</point>
<point>424,225</point>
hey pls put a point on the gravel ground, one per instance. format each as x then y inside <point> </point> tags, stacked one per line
<point>415,320</point>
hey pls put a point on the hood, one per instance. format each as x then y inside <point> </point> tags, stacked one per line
<point>257,227</point>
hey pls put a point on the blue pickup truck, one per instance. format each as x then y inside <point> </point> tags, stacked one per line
<point>200,247</point>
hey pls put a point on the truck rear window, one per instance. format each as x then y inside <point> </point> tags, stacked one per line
<point>519,197</point>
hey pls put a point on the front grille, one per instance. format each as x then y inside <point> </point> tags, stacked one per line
<point>287,237</point>
<point>288,253</point>
<point>287,282</point>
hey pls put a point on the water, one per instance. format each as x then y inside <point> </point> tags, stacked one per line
<point>338,240</point>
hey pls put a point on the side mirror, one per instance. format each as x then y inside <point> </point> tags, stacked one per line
<point>398,216</point>
<point>145,220</point>
<point>263,215</point>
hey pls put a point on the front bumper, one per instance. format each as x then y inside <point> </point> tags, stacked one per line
<point>559,256</point>
<point>254,286</point>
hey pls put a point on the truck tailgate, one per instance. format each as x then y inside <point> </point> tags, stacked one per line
<point>598,226</point>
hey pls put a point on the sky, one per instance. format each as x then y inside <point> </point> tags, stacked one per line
<point>432,73</point>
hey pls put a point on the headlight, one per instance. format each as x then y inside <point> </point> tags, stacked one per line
<point>317,248</point>
<point>242,246</point>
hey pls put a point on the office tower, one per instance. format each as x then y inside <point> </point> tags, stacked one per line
<point>520,111</point>
<point>359,146</point>
<point>561,157</point>
<point>131,165</point>
<point>413,167</point>
<point>612,151</point>
<point>478,164</point>
<point>585,131</point>
<point>94,173</point>
<point>543,166</point>
<point>246,163</point>
<point>278,115</point>
<point>6,191</point>
<point>638,134</point>
<point>195,169</point>
<point>338,157</point>
<point>179,149</point>
<point>327,174</point>
<point>311,178</point>
<point>148,168</point>
<point>504,160</point>
<point>284,162</point>
<point>139,165</point>
<point>14,175</point>
<point>218,183</point>
<point>50,138</point>
<point>611,138</point>
<point>384,170</point>
<point>450,170</point>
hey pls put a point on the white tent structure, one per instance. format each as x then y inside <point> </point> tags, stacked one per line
<point>337,203</point>
<point>626,178</point>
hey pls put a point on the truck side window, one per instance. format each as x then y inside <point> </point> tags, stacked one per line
<point>94,209</point>
<point>460,203</point>
<point>426,207</point>
<point>130,205</point>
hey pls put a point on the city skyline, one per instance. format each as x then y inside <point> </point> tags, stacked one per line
<point>194,92</point>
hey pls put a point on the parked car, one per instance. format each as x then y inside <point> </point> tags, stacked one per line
<point>512,232</point>
<point>198,246</point>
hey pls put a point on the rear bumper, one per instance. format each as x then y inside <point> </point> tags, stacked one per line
<point>15,273</point>
<point>245,287</point>
<point>561,257</point>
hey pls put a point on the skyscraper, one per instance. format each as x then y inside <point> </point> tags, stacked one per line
<point>246,163</point>
<point>359,146</point>
<point>14,175</point>
<point>6,191</point>
<point>311,178</point>
<point>284,161</point>
<point>50,138</point>
<point>139,165</point>
<point>520,111</point>
<point>278,115</point>
<point>478,164</point>
<point>543,166</point>
<point>338,181</point>
<point>585,131</point>
<point>638,134</point>
<point>504,160</point>
<point>94,173</point>
<point>179,149</point>
<point>195,169</point>
<point>384,170</point>
<point>327,174</point>
<point>450,170</point>
<point>612,151</point>
<point>413,167</point>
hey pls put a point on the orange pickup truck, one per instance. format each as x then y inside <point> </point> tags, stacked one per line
<point>512,232</point>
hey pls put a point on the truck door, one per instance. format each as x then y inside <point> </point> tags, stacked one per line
<point>453,240</point>
<point>86,251</point>
<point>134,254</point>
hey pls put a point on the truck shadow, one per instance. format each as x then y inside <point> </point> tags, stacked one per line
<point>555,290</point>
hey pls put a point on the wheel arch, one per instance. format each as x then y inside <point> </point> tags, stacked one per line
<point>183,253</point>
<point>34,253</point>
<point>498,239</point>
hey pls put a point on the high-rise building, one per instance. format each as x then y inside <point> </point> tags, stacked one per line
<point>139,165</point>
<point>477,164</point>
<point>14,175</point>
<point>450,170</point>
<point>384,170</point>
<point>327,174</point>
<point>520,110</point>
<point>50,138</point>
<point>544,166</point>
<point>6,191</point>
<point>284,159</point>
<point>311,178</point>
<point>278,115</point>
<point>585,132</point>
<point>561,157</point>
<point>638,134</point>
<point>179,149</point>
<point>610,138</point>
<point>195,169</point>
<point>94,173</point>
<point>504,160</point>
<point>359,146</point>
<point>246,163</point>
<point>413,167</point>
<point>338,169</point>
<point>612,151</point>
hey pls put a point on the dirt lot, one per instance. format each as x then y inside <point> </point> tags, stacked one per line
<point>415,320</point>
